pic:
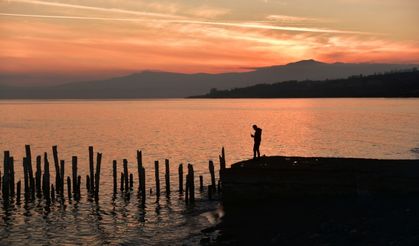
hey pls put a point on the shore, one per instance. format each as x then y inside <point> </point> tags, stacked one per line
<point>358,211</point>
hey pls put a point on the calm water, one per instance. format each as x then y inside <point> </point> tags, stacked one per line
<point>184,131</point>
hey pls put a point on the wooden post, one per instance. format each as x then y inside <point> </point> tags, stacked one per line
<point>201,183</point>
<point>143,188</point>
<point>131,181</point>
<point>122,181</point>
<point>25,177</point>
<point>6,182</point>
<point>38,176</point>
<point>78,187</point>
<point>57,169</point>
<point>210,189</point>
<point>191,183</point>
<point>88,183</point>
<point>91,168</point>
<point>180,171</point>
<point>157,176</point>
<point>97,177</point>
<point>12,176</point>
<point>139,168</point>
<point>187,189</point>
<point>223,158</point>
<point>46,179</point>
<point>69,188</point>
<point>62,173</point>
<point>167,177</point>
<point>18,189</point>
<point>125,163</point>
<point>74,174</point>
<point>30,171</point>
<point>52,193</point>
<point>212,172</point>
<point>115,183</point>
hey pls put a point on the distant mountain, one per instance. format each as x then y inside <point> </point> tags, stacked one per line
<point>394,84</point>
<point>149,84</point>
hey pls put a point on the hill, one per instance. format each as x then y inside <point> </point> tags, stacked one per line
<point>395,84</point>
<point>152,84</point>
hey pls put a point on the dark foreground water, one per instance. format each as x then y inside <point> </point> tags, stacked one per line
<point>184,131</point>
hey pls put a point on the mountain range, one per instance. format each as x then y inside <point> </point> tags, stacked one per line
<point>154,84</point>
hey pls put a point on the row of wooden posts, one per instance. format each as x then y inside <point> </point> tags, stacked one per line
<point>39,185</point>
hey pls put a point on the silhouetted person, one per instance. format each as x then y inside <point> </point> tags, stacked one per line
<point>257,137</point>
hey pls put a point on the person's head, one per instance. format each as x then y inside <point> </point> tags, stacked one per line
<point>255,127</point>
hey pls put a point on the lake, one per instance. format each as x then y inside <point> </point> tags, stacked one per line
<point>183,131</point>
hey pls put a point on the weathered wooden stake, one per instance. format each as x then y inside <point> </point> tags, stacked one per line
<point>210,189</point>
<point>69,187</point>
<point>97,177</point>
<point>91,168</point>
<point>25,178</point>
<point>74,174</point>
<point>131,181</point>
<point>187,189</point>
<point>46,179</point>
<point>191,183</point>
<point>201,183</point>
<point>212,173</point>
<point>38,176</point>
<point>30,171</point>
<point>62,173</point>
<point>125,163</point>
<point>143,188</point>
<point>88,183</point>
<point>78,187</point>
<point>122,181</point>
<point>57,169</point>
<point>180,171</point>
<point>52,193</point>
<point>157,176</point>
<point>6,181</point>
<point>167,177</point>
<point>139,168</point>
<point>115,183</point>
<point>18,190</point>
<point>12,176</point>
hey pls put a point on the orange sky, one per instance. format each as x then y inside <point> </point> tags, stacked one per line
<point>74,39</point>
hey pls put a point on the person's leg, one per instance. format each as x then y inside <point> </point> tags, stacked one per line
<point>254,150</point>
<point>257,150</point>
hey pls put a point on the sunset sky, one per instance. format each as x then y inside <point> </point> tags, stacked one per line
<point>46,41</point>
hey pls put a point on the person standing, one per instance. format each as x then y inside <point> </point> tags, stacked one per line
<point>257,137</point>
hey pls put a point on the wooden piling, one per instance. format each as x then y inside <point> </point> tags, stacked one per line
<point>126,177</point>
<point>26,177</point>
<point>97,175</point>
<point>187,189</point>
<point>191,178</point>
<point>91,169</point>
<point>114,172</point>
<point>157,176</point>
<point>30,171</point>
<point>201,183</point>
<point>122,181</point>
<point>212,173</point>
<point>180,172</point>
<point>74,174</point>
<point>6,182</point>
<point>57,169</point>
<point>78,188</point>
<point>52,193</point>
<point>46,179</point>
<point>18,190</point>
<point>12,176</point>
<point>62,173</point>
<point>69,187</point>
<point>131,181</point>
<point>38,176</point>
<point>222,160</point>
<point>167,177</point>
<point>143,188</point>
<point>88,183</point>
<point>139,169</point>
<point>210,189</point>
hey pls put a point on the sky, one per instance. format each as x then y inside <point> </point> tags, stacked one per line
<point>46,41</point>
